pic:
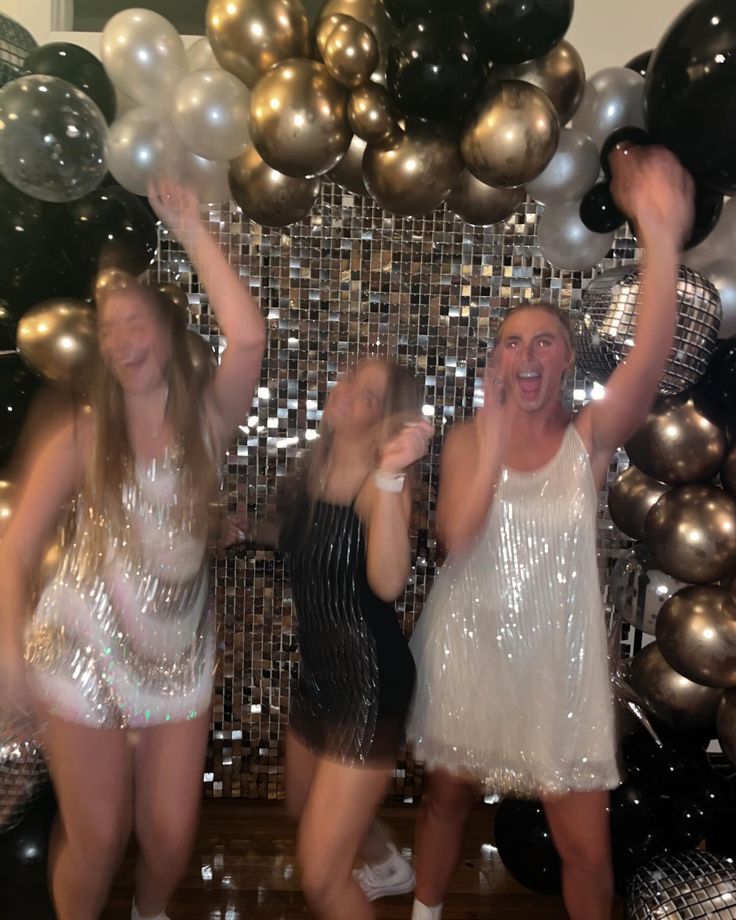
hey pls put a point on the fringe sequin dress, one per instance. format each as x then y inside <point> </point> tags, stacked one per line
<point>356,673</point>
<point>513,683</point>
<point>122,635</point>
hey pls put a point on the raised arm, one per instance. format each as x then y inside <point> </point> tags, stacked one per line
<point>656,193</point>
<point>237,312</point>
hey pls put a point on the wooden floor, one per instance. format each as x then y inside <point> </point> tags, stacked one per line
<point>243,867</point>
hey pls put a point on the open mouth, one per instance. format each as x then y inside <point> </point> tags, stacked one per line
<point>530,383</point>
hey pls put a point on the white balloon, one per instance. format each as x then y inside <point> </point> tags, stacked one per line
<point>570,173</point>
<point>211,114</point>
<point>723,275</point>
<point>209,178</point>
<point>201,56</point>
<point>565,241</point>
<point>613,99</point>
<point>141,145</point>
<point>719,244</point>
<point>144,56</point>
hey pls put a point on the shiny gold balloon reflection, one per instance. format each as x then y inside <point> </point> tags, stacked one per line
<point>726,724</point>
<point>630,499</point>
<point>348,173</point>
<point>266,195</point>
<point>298,119</point>
<point>416,176</point>
<point>374,116</point>
<point>696,633</point>
<point>325,27</point>
<point>480,204</point>
<point>58,339</point>
<point>677,443</point>
<point>371,13</point>
<point>677,701</point>
<point>249,36</point>
<point>202,355</point>
<point>8,494</point>
<point>176,294</point>
<point>559,73</point>
<point>350,53</point>
<point>691,533</point>
<point>109,280</point>
<point>511,134</point>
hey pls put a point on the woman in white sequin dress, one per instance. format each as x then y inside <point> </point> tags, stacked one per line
<point>120,648</point>
<point>513,691</point>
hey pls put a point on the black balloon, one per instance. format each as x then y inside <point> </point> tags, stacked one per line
<point>708,207</point>
<point>721,836</point>
<point>598,211</point>
<point>715,795</point>
<point>17,386</point>
<point>23,862</point>
<point>511,32</point>
<point>8,326</point>
<point>630,134</point>
<point>636,832</point>
<point>668,768</point>
<point>690,92</point>
<point>719,382</point>
<point>78,66</point>
<point>525,846</point>
<point>688,823</point>
<point>435,71</point>
<point>403,11</point>
<point>110,228</point>
<point>640,63</point>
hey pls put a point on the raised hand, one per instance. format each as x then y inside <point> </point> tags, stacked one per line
<point>175,204</point>
<point>409,445</point>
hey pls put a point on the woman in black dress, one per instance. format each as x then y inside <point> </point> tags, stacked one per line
<point>347,541</point>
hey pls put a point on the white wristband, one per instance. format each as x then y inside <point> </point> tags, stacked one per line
<point>389,482</point>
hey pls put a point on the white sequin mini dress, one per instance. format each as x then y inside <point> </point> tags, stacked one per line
<point>513,686</point>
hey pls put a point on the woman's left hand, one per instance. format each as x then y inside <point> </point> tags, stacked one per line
<point>176,205</point>
<point>407,447</point>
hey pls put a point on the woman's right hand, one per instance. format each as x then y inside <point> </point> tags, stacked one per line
<point>494,419</point>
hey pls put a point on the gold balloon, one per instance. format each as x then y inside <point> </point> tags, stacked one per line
<point>176,294</point>
<point>726,724</point>
<point>350,52</point>
<point>511,134</point>
<point>267,196</point>
<point>371,13</point>
<point>325,28</point>
<point>480,204</point>
<point>728,472</point>
<point>8,494</point>
<point>415,177</point>
<point>58,339</point>
<point>630,499</point>
<point>298,120</point>
<point>691,533</point>
<point>349,171</point>
<point>249,36</point>
<point>202,355</point>
<point>696,634</point>
<point>374,116</point>
<point>109,280</point>
<point>677,701</point>
<point>559,73</point>
<point>677,443</point>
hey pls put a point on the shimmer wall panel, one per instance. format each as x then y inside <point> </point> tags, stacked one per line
<point>349,281</point>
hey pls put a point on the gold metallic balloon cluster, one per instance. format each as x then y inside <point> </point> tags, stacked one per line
<point>677,497</point>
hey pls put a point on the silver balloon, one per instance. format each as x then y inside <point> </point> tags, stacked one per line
<point>22,767</point>
<point>565,241</point>
<point>482,205</point>
<point>52,138</point>
<point>371,13</point>
<point>571,172</point>
<point>696,634</point>
<point>695,884</point>
<point>722,274</point>
<point>639,588</point>
<point>211,111</point>
<point>718,245</point>
<point>630,499</point>
<point>143,55</point>
<point>208,178</point>
<point>200,56</point>
<point>348,173</point>
<point>726,724</point>
<point>670,697</point>
<point>142,144</point>
<point>617,101</point>
<point>605,327</point>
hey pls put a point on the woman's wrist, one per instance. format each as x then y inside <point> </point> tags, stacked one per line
<point>389,480</point>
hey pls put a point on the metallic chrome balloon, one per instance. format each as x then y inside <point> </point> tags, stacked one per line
<point>250,36</point>
<point>630,499</point>
<point>416,176</point>
<point>349,171</point>
<point>726,724</point>
<point>350,53</point>
<point>616,101</point>
<point>639,588</point>
<point>58,339</point>
<point>8,494</point>
<point>606,325</point>
<point>109,280</point>
<point>202,355</point>
<point>477,203</point>
<point>374,116</point>
<point>677,443</point>
<point>694,883</point>
<point>566,242</point>
<point>559,73</point>
<point>143,55</point>
<point>267,196</point>
<point>211,110</point>
<point>142,144</point>
<point>298,120</point>
<point>371,13</point>
<point>669,696</point>
<point>696,634</point>
<point>325,27</point>
<point>22,766</point>
<point>511,134</point>
<point>200,55</point>
<point>177,295</point>
<point>691,532</point>
<point>722,274</point>
<point>570,173</point>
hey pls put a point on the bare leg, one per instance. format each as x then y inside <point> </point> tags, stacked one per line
<point>92,775</point>
<point>439,835</point>
<point>301,764</point>
<point>341,804</point>
<point>580,827</point>
<point>169,760</point>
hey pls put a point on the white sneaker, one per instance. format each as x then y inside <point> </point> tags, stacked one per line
<point>393,876</point>
<point>134,915</point>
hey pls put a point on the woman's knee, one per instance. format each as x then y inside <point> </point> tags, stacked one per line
<point>321,881</point>
<point>165,842</point>
<point>98,840</point>
<point>449,799</point>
